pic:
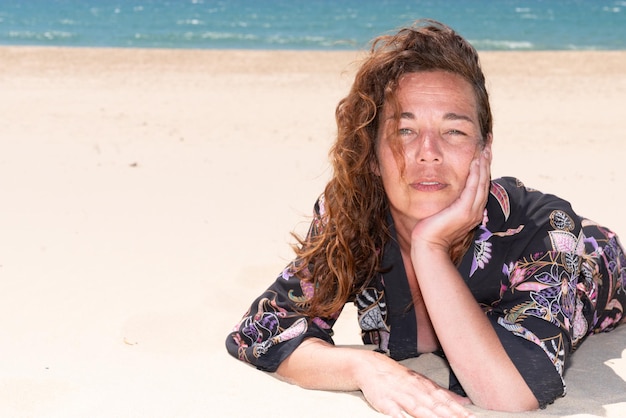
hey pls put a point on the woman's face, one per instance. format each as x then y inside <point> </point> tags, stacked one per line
<point>439,136</point>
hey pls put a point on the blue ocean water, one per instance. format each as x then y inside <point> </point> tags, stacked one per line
<point>309,24</point>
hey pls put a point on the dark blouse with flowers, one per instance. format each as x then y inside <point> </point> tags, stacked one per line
<point>545,277</point>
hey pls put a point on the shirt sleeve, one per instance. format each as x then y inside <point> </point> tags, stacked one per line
<point>533,359</point>
<point>275,324</point>
<point>530,359</point>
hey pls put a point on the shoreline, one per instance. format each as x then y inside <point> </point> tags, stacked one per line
<point>613,60</point>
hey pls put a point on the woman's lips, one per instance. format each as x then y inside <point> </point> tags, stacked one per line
<point>428,186</point>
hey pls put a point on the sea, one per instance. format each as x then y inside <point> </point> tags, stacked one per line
<point>309,24</point>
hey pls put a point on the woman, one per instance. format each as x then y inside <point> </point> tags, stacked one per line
<point>502,280</point>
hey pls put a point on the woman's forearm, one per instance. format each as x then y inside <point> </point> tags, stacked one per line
<point>316,364</point>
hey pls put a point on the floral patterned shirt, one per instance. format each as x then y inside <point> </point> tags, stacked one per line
<point>545,277</point>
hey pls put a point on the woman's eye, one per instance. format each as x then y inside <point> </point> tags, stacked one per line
<point>405,132</point>
<point>455,132</point>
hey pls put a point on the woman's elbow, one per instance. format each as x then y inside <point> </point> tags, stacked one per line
<point>509,403</point>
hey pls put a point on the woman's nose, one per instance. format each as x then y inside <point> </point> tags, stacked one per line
<point>429,148</point>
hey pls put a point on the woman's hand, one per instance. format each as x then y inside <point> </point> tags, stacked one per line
<point>452,224</point>
<point>397,391</point>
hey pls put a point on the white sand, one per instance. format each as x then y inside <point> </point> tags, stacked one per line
<point>147,197</point>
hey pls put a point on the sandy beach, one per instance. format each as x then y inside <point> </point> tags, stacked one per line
<point>147,196</point>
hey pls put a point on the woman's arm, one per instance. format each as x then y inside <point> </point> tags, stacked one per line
<point>388,386</point>
<point>468,339</point>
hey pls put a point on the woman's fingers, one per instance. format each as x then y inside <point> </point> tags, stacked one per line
<point>485,177</point>
<point>476,191</point>
<point>413,395</point>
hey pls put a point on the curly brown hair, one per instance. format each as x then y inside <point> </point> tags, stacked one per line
<point>342,256</point>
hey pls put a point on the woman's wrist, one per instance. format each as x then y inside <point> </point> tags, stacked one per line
<point>362,362</point>
<point>427,251</point>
